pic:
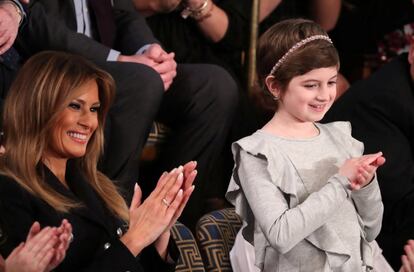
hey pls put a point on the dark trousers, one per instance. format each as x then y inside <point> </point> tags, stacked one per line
<point>198,107</point>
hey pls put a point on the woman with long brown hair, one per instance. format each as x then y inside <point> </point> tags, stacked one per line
<point>53,124</point>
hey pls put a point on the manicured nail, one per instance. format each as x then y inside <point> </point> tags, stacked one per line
<point>136,186</point>
<point>180,177</point>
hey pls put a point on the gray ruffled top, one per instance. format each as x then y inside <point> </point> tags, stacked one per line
<point>300,215</point>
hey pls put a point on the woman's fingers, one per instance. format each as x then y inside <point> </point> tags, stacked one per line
<point>168,180</point>
<point>46,241</point>
<point>136,199</point>
<point>34,229</point>
<point>174,205</point>
<point>171,190</point>
<point>46,259</point>
<point>186,197</point>
<point>189,167</point>
<point>409,252</point>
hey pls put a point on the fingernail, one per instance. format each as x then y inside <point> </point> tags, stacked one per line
<point>136,186</point>
<point>192,187</point>
<point>180,176</point>
<point>180,192</point>
<point>180,168</point>
<point>173,171</point>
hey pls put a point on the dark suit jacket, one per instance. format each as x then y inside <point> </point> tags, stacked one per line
<point>52,26</point>
<point>381,111</point>
<point>94,227</point>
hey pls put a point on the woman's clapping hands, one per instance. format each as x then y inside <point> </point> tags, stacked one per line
<point>43,250</point>
<point>151,220</point>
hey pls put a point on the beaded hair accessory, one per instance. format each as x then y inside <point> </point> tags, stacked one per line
<point>295,47</point>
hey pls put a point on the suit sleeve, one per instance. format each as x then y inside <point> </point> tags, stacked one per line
<point>132,29</point>
<point>48,29</point>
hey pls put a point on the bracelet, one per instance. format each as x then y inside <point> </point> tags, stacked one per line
<point>16,7</point>
<point>202,16</point>
<point>197,12</point>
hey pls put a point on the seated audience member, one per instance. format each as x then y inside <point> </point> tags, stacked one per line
<point>11,17</point>
<point>43,250</point>
<point>53,123</point>
<point>217,34</point>
<point>381,111</point>
<point>196,101</point>
<point>198,31</point>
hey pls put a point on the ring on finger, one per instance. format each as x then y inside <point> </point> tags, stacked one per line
<point>165,202</point>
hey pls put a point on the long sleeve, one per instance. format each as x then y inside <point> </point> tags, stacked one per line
<point>132,29</point>
<point>96,245</point>
<point>284,227</point>
<point>52,26</point>
<point>370,208</point>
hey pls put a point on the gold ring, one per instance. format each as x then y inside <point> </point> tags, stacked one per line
<point>165,202</point>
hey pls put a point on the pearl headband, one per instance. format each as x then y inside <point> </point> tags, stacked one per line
<point>295,47</point>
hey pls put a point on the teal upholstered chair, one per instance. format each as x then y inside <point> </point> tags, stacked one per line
<point>216,232</point>
<point>190,258</point>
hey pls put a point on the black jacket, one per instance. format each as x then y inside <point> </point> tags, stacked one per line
<point>96,245</point>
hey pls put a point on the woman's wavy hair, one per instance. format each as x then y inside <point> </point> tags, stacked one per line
<point>43,88</point>
<point>281,37</point>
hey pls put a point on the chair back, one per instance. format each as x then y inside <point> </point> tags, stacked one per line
<point>216,232</point>
<point>190,258</point>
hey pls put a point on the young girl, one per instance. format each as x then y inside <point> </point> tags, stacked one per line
<point>309,198</point>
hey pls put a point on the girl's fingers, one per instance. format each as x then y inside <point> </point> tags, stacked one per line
<point>378,162</point>
<point>370,158</point>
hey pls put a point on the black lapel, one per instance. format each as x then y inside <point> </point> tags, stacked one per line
<point>93,208</point>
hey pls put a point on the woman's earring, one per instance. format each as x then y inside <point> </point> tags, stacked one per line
<point>275,97</point>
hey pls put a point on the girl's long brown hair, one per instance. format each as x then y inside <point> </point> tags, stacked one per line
<point>43,88</point>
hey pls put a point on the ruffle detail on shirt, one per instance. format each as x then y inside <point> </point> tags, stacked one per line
<point>324,238</point>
